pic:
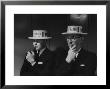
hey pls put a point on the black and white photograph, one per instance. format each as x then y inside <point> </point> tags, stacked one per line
<point>55,44</point>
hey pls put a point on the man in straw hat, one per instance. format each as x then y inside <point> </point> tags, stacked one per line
<point>38,61</point>
<point>75,61</point>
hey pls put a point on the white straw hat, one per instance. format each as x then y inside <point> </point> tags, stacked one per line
<point>74,30</point>
<point>39,34</point>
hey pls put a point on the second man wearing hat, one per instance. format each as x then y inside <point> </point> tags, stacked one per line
<point>75,61</point>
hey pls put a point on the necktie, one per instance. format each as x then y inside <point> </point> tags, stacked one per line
<point>36,56</point>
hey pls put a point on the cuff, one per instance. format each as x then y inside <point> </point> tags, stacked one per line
<point>33,63</point>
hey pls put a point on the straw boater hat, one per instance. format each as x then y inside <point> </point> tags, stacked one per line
<point>74,30</point>
<point>39,34</point>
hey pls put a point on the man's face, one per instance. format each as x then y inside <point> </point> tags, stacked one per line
<point>74,41</point>
<point>39,44</point>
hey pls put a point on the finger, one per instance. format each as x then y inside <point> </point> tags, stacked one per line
<point>32,52</point>
<point>70,49</point>
<point>73,47</point>
<point>28,53</point>
<point>27,57</point>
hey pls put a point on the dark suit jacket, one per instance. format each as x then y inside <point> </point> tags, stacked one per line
<point>84,65</point>
<point>44,69</point>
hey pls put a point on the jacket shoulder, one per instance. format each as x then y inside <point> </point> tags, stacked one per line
<point>88,53</point>
<point>90,58</point>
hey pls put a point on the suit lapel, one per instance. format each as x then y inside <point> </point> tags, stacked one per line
<point>44,55</point>
<point>44,52</point>
<point>81,56</point>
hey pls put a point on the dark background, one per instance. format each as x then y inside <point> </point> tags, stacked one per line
<point>2,25</point>
<point>55,24</point>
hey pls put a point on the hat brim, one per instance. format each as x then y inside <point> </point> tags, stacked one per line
<point>67,33</point>
<point>39,37</point>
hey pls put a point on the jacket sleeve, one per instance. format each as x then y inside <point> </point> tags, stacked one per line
<point>92,69</point>
<point>26,68</point>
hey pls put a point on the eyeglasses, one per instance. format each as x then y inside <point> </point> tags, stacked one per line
<point>73,37</point>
